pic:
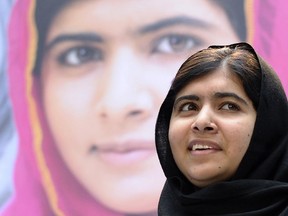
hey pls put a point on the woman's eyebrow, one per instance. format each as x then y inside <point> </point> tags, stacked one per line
<point>74,37</point>
<point>230,95</point>
<point>186,97</point>
<point>179,20</point>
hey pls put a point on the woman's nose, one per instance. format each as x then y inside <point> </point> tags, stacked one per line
<point>204,122</point>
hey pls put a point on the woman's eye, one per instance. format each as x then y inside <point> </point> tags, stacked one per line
<point>79,55</point>
<point>230,106</point>
<point>188,107</point>
<point>175,44</point>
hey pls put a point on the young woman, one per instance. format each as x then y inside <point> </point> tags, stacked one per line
<point>221,136</point>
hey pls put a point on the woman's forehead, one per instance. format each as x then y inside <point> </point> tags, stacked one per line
<point>219,79</point>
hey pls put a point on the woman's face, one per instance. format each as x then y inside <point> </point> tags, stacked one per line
<point>211,127</point>
<point>106,70</point>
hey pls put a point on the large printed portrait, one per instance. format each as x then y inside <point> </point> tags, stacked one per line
<point>85,80</point>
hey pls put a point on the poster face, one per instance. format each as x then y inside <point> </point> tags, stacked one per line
<point>84,83</point>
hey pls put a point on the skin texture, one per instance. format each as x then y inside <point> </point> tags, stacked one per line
<point>205,112</point>
<point>103,80</point>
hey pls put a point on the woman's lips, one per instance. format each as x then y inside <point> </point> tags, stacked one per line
<point>125,153</point>
<point>200,147</point>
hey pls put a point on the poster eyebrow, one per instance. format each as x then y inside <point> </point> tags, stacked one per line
<point>179,20</point>
<point>74,37</point>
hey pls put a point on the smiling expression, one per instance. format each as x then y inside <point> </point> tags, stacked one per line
<point>104,78</point>
<point>211,127</point>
